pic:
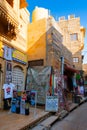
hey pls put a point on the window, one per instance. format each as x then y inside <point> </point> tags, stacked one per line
<point>74,37</point>
<point>75,59</point>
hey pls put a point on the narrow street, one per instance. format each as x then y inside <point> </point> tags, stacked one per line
<point>43,65</point>
<point>76,120</point>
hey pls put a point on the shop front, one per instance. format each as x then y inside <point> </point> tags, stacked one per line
<point>75,86</point>
<point>53,87</point>
<point>1,81</point>
<point>18,77</point>
<point>15,63</point>
<point>19,69</point>
<point>45,81</point>
<point>1,74</point>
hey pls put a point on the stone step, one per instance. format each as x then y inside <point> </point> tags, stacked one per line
<point>38,128</point>
<point>49,121</point>
<point>63,114</point>
<point>46,124</point>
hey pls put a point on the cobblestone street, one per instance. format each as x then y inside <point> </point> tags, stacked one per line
<point>76,120</point>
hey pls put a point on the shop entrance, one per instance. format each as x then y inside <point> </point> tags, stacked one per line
<point>18,78</point>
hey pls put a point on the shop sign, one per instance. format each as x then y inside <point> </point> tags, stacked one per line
<point>19,57</point>
<point>1,45</point>
<point>51,103</point>
<point>7,53</point>
<point>1,53</point>
<point>36,63</point>
<point>33,97</point>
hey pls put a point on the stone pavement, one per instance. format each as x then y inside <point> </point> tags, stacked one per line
<point>47,123</point>
<point>13,121</point>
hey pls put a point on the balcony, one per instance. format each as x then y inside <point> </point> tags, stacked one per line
<point>8,20</point>
<point>7,11</point>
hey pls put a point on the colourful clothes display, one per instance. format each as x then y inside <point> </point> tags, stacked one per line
<point>74,82</point>
<point>8,90</point>
<point>78,76</point>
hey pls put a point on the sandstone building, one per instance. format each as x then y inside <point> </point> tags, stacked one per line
<point>45,41</point>
<point>45,49</point>
<point>73,38</point>
<point>14,18</point>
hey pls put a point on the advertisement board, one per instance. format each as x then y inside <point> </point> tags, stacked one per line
<point>8,76</point>
<point>19,56</point>
<point>51,103</point>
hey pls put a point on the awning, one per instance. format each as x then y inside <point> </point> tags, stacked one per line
<point>69,68</point>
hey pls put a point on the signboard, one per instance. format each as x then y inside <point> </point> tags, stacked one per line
<point>22,107</point>
<point>1,51</point>
<point>19,56</point>
<point>7,53</point>
<point>33,97</point>
<point>51,103</point>
<point>1,45</point>
<point>8,77</point>
<point>36,63</point>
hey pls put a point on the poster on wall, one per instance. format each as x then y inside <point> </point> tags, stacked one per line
<point>22,107</point>
<point>51,103</point>
<point>8,72</point>
<point>7,53</point>
<point>33,97</point>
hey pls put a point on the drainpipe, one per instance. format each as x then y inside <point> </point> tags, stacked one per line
<point>62,70</point>
<point>62,65</point>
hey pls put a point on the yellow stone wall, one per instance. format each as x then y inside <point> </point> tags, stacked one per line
<point>16,6</point>
<point>37,40</point>
<point>39,13</point>
<point>21,41</point>
<point>38,33</point>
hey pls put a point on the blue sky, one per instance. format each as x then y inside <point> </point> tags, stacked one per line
<point>64,8</point>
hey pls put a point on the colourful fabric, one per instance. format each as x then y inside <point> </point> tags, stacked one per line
<point>74,82</point>
<point>78,76</point>
<point>50,80</point>
<point>8,90</point>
